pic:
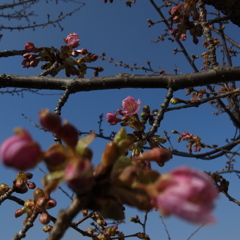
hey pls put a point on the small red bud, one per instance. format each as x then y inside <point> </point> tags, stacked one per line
<point>44,218</point>
<point>51,203</point>
<point>31,185</point>
<point>69,134</point>
<point>18,213</point>
<point>51,121</point>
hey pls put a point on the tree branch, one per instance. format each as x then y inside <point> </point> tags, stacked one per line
<point>177,82</point>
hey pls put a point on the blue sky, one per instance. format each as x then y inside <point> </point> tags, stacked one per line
<point>122,33</point>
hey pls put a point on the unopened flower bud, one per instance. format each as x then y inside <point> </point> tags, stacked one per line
<point>41,203</point>
<point>47,228</point>
<point>175,100</point>
<point>20,151</point>
<point>44,218</point>
<point>94,57</point>
<point>159,155</point>
<point>72,40</point>
<point>69,134</point>
<point>29,47</point>
<point>18,213</point>
<point>110,154</point>
<point>51,121</point>
<point>51,203</point>
<point>31,185</point>
<point>79,174</point>
<point>38,193</point>
<point>3,188</point>
<point>29,175</point>
<point>55,157</point>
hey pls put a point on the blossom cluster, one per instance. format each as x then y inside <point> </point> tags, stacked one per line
<point>56,60</point>
<point>130,106</point>
<point>180,15</point>
<point>185,192</point>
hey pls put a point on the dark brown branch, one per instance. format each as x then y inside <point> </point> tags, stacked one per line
<point>207,33</point>
<point>161,113</point>
<point>177,82</point>
<point>27,226</point>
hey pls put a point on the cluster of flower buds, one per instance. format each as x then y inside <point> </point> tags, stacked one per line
<point>131,119</point>
<point>30,60</point>
<point>196,96</point>
<point>71,163</point>
<point>193,141</point>
<point>57,60</point>
<point>180,14</point>
<point>40,203</point>
<point>22,183</point>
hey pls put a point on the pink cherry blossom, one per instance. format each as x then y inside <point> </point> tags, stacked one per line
<point>187,193</point>
<point>20,151</point>
<point>72,40</point>
<point>130,105</point>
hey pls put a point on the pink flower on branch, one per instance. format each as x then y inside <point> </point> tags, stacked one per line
<point>72,40</point>
<point>20,151</point>
<point>130,105</point>
<point>187,193</point>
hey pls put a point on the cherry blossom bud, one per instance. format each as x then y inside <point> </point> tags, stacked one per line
<point>176,10</point>
<point>20,151</point>
<point>72,40</point>
<point>28,175</point>
<point>159,155</point>
<point>69,134</point>
<point>47,228</point>
<point>112,118</point>
<point>3,188</point>
<point>187,193</point>
<point>18,213</point>
<point>44,218</point>
<point>51,203</point>
<point>175,100</point>
<point>55,157</point>
<point>51,121</point>
<point>38,193</point>
<point>31,185</point>
<point>110,154</point>
<point>29,47</point>
<point>130,105</point>
<point>93,57</point>
<point>79,174</point>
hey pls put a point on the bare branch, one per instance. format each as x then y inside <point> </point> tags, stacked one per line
<point>177,82</point>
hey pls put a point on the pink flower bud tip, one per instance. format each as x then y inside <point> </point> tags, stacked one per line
<point>112,118</point>
<point>29,47</point>
<point>72,40</point>
<point>20,151</point>
<point>187,193</point>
